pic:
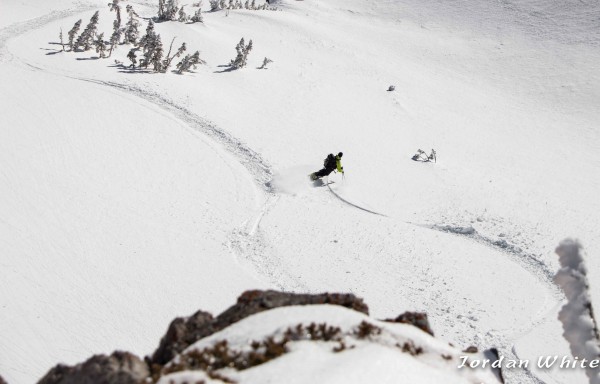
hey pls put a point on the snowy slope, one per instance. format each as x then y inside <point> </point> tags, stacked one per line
<point>126,188</point>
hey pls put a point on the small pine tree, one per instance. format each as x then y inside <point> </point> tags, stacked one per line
<point>72,33</point>
<point>132,57</point>
<point>100,45</point>
<point>222,4</point>
<point>156,59</point>
<point>197,18</point>
<point>189,62</point>
<point>242,54</point>
<point>161,9</point>
<point>253,5</point>
<point>86,39</point>
<point>131,28</point>
<point>171,10</point>
<point>183,17</point>
<point>115,37</point>
<point>214,5</point>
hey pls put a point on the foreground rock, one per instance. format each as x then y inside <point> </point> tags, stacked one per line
<point>118,368</point>
<point>283,337</point>
<point>185,331</point>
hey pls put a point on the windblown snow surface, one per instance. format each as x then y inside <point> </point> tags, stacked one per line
<point>130,198</point>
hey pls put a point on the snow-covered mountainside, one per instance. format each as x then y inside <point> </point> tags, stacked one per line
<point>130,196</point>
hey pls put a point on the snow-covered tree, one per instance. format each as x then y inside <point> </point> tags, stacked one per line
<point>253,4</point>
<point>156,59</point>
<point>148,44</point>
<point>72,33</point>
<point>131,28</point>
<point>182,16</point>
<point>215,5</point>
<point>115,37</point>
<point>242,54</point>
<point>100,45</point>
<point>577,316</point>
<point>86,39</point>
<point>189,62</point>
<point>132,57</point>
<point>197,18</point>
<point>167,10</point>
<point>168,59</point>
<point>114,6</point>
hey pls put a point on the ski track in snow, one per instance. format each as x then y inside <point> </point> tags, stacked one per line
<point>247,242</point>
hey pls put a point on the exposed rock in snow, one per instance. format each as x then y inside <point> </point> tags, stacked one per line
<point>118,368</point>
<point>184,332</point>
<point>270,336</point>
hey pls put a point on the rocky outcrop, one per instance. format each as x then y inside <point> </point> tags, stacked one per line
<point>417,319</point>
<point>185,331</point>
<point>181,333</point>
<point>118,368</point>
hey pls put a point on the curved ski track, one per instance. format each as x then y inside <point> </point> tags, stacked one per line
<point>247,241</point>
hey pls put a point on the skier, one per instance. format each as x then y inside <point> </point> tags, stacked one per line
<point>330,164</point>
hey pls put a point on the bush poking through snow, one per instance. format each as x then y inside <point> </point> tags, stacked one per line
<point>577,315</point>
<point>265,62</point>
<point>243,51</point>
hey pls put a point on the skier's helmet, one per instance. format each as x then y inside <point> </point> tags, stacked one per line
<point>340,154</point>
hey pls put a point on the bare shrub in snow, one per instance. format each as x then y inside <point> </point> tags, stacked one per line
<point>72,33</point>
<point>265,62</point>
<point>577,315</point>
<point>86,39</point>
<point>243,51</point>
<point>189,62</point>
